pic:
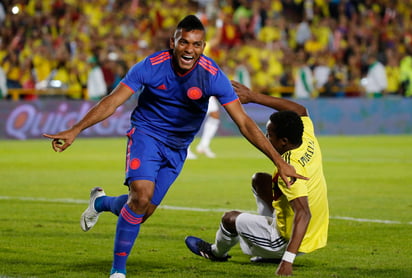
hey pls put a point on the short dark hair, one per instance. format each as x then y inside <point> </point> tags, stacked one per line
<point>287,124</point>
<point>189,23</point>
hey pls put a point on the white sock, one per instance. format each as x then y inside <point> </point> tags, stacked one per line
<point>224,241</point>
<point>209,131</point>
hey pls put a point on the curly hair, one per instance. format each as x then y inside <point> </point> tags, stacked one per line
<point>287,124</point>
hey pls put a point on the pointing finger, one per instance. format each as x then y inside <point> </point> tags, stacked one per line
<point>49,136</point>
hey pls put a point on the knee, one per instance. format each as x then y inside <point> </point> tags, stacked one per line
<point>149,211</point>
<point>138,203</point>
<point>260,180</point>
<point>229,221</point>
<point>261,177</point>
<point>262,185</point>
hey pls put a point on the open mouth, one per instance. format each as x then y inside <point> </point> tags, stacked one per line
<point>187,59</point>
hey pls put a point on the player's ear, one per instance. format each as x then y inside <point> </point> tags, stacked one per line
<point>172,43</point>
<point>284,141</point>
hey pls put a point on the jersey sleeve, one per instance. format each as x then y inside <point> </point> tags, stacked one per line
<point>222,89</point>
<point>135,77</point>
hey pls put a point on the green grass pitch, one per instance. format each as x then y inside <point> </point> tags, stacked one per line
<point>43,193</point>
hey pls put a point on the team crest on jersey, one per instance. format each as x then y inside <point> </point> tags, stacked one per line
<point>134,163</point>
<point>194,93</point>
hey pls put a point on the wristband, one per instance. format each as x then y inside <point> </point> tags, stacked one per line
<point>288,257</point>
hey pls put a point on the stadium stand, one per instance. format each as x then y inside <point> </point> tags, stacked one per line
<point>45,45</point>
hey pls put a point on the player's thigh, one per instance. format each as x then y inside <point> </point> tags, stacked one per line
<point>168,173</point>
<point>151,160</point>
<point>143,157</point>
<point>259,236</point>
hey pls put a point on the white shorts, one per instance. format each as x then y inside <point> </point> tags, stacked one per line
<point>213,105</point>
<point>259,236</point>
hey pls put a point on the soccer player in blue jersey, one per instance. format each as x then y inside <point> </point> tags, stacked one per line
<point>174,87</point>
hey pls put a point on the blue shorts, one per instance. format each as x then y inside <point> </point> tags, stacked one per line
<point>150,159</point>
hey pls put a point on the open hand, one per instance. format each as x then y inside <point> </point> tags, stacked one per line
<point>243,92</point>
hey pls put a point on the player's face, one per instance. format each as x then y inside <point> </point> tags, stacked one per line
<point>277,143</point>
<point>187,48</point>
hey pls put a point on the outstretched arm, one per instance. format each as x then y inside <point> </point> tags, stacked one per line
<point>254,135</point>
<point>300,224</point>
<point>279,104</point>
<point>102,110</point>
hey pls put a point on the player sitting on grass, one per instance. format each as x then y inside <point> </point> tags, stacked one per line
<point>293,220</point>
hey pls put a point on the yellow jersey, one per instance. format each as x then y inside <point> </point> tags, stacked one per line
<point>307,160</point>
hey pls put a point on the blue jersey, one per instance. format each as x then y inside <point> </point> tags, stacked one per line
<point>171,107</point>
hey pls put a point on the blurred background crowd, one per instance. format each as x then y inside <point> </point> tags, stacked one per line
<point>300,48</point>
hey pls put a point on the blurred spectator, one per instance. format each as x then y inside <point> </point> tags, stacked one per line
<point>286,81</point>
<point>243,18</point>
<point>354,74</point>
<point>263,81</point>
<point>274,8</point>
<point>269,32</point>
<point>340,69</point>
<point>308,7</point>
<point>259,14</point>
<point>229,32</point>
<point>13,69</point>
<point>242,75</point>
<point>2,12</point>
<point>406,75</point>
<point>332,87</point>
<point>109,69</point>
<point>120,71</point>
<point>375,82</point>
<point>321,72</point>
<point>303,77</point>
<point>96,85</point>
<point>303,32</point>
<point>3,84</point>
<point>28,79</point>
<point>42,63</point>
<point>75,84</point>
<point>59,76</point>
<point>393,73</point>
<point>334,7</point>
<point>313,46</point>
<point>324,35</point>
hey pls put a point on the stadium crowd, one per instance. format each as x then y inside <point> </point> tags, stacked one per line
<point>304,48</point>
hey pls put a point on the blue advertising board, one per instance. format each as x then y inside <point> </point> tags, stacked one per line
<point>352,116</point>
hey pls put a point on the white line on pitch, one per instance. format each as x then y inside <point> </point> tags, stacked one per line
<point>77,201</point>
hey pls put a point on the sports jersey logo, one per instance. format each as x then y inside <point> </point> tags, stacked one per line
<point>135,163</point>
<point>194,93</point>
<point>161,87</point>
